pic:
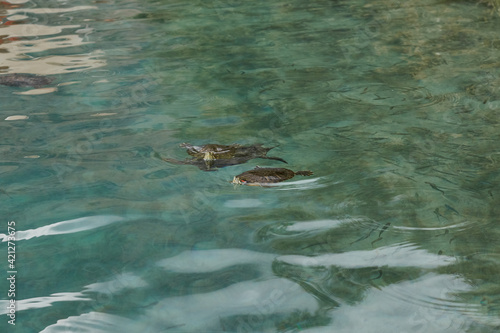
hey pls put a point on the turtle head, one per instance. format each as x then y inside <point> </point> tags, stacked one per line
<point>209,156</point>
<point>238,181</point>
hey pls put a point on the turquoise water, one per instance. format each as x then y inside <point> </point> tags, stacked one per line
<point>393,106</point>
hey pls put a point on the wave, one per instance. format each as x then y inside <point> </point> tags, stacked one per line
<point>399,255</point>
<point>66,227</point>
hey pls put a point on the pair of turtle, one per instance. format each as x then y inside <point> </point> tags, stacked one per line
<point>212,156</point>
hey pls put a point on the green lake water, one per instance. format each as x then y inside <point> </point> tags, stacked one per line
<point>393,105</point>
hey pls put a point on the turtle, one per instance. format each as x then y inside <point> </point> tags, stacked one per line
<point>25,80</point>
<point>209,157</point>
<point>262,176</point>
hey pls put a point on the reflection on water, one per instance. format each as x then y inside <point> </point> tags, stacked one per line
<point>24,50</point>
<point>72,226</point>
<point>394,307</point>
<point>392,105</point>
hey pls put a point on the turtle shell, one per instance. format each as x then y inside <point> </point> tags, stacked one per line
<point>267,175</point>
<point>212,156</point>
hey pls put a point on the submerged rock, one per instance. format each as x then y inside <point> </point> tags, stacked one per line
<point>25,80</point>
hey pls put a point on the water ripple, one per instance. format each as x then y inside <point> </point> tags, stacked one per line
<point>213,311</point>
<point>118,283</point>
<point>43,302</point>
<point>213,260</point>
<point>427,304</point>
<point>48,10</point>
<point>383,95</point>
<point>66,227</point>
<point>459,226</point>
<point>305,228</point>
<point>94,322</point>
<point>399,255</point>
<point>435,299</point>
<point>319,225</point>
<point>25,51</point>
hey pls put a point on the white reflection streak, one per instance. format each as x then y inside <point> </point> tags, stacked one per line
<point>45,44</point>
<point>31,30</point>
<point>51,64</point>
<point>39,91</point>
<point>322,224</point>
<point>201,312</point>
<point>120,282</point>
<point>43,302</point>
<point>459,225</point>
<point>18,2</point>
<point>213,260</point>
<point>391,256</point>
<point>96,322</point>
<point>303,184</point>
<point>17,52</point>
<point>66,227</point>
<point>48,10</point>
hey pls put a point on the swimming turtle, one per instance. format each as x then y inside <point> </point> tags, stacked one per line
<point>25,80</point>
<point>212,156</point>
<point>262,176</point>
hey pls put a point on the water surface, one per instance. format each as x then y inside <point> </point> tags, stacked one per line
<point>392,105</point>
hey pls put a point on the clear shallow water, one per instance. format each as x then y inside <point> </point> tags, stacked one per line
<point>393,106</point>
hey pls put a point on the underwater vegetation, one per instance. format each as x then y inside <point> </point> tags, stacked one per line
<point>494,4</point>
<point>491,3</point>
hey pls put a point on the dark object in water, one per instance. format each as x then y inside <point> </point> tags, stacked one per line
<point>365,236</point>
<point>212,156</point>
<point>25,80</point>
<point>434,186</point>
<point>262,176</point>
<point>384,228</point>
<point>451,208</point>
<point>4,192</point>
